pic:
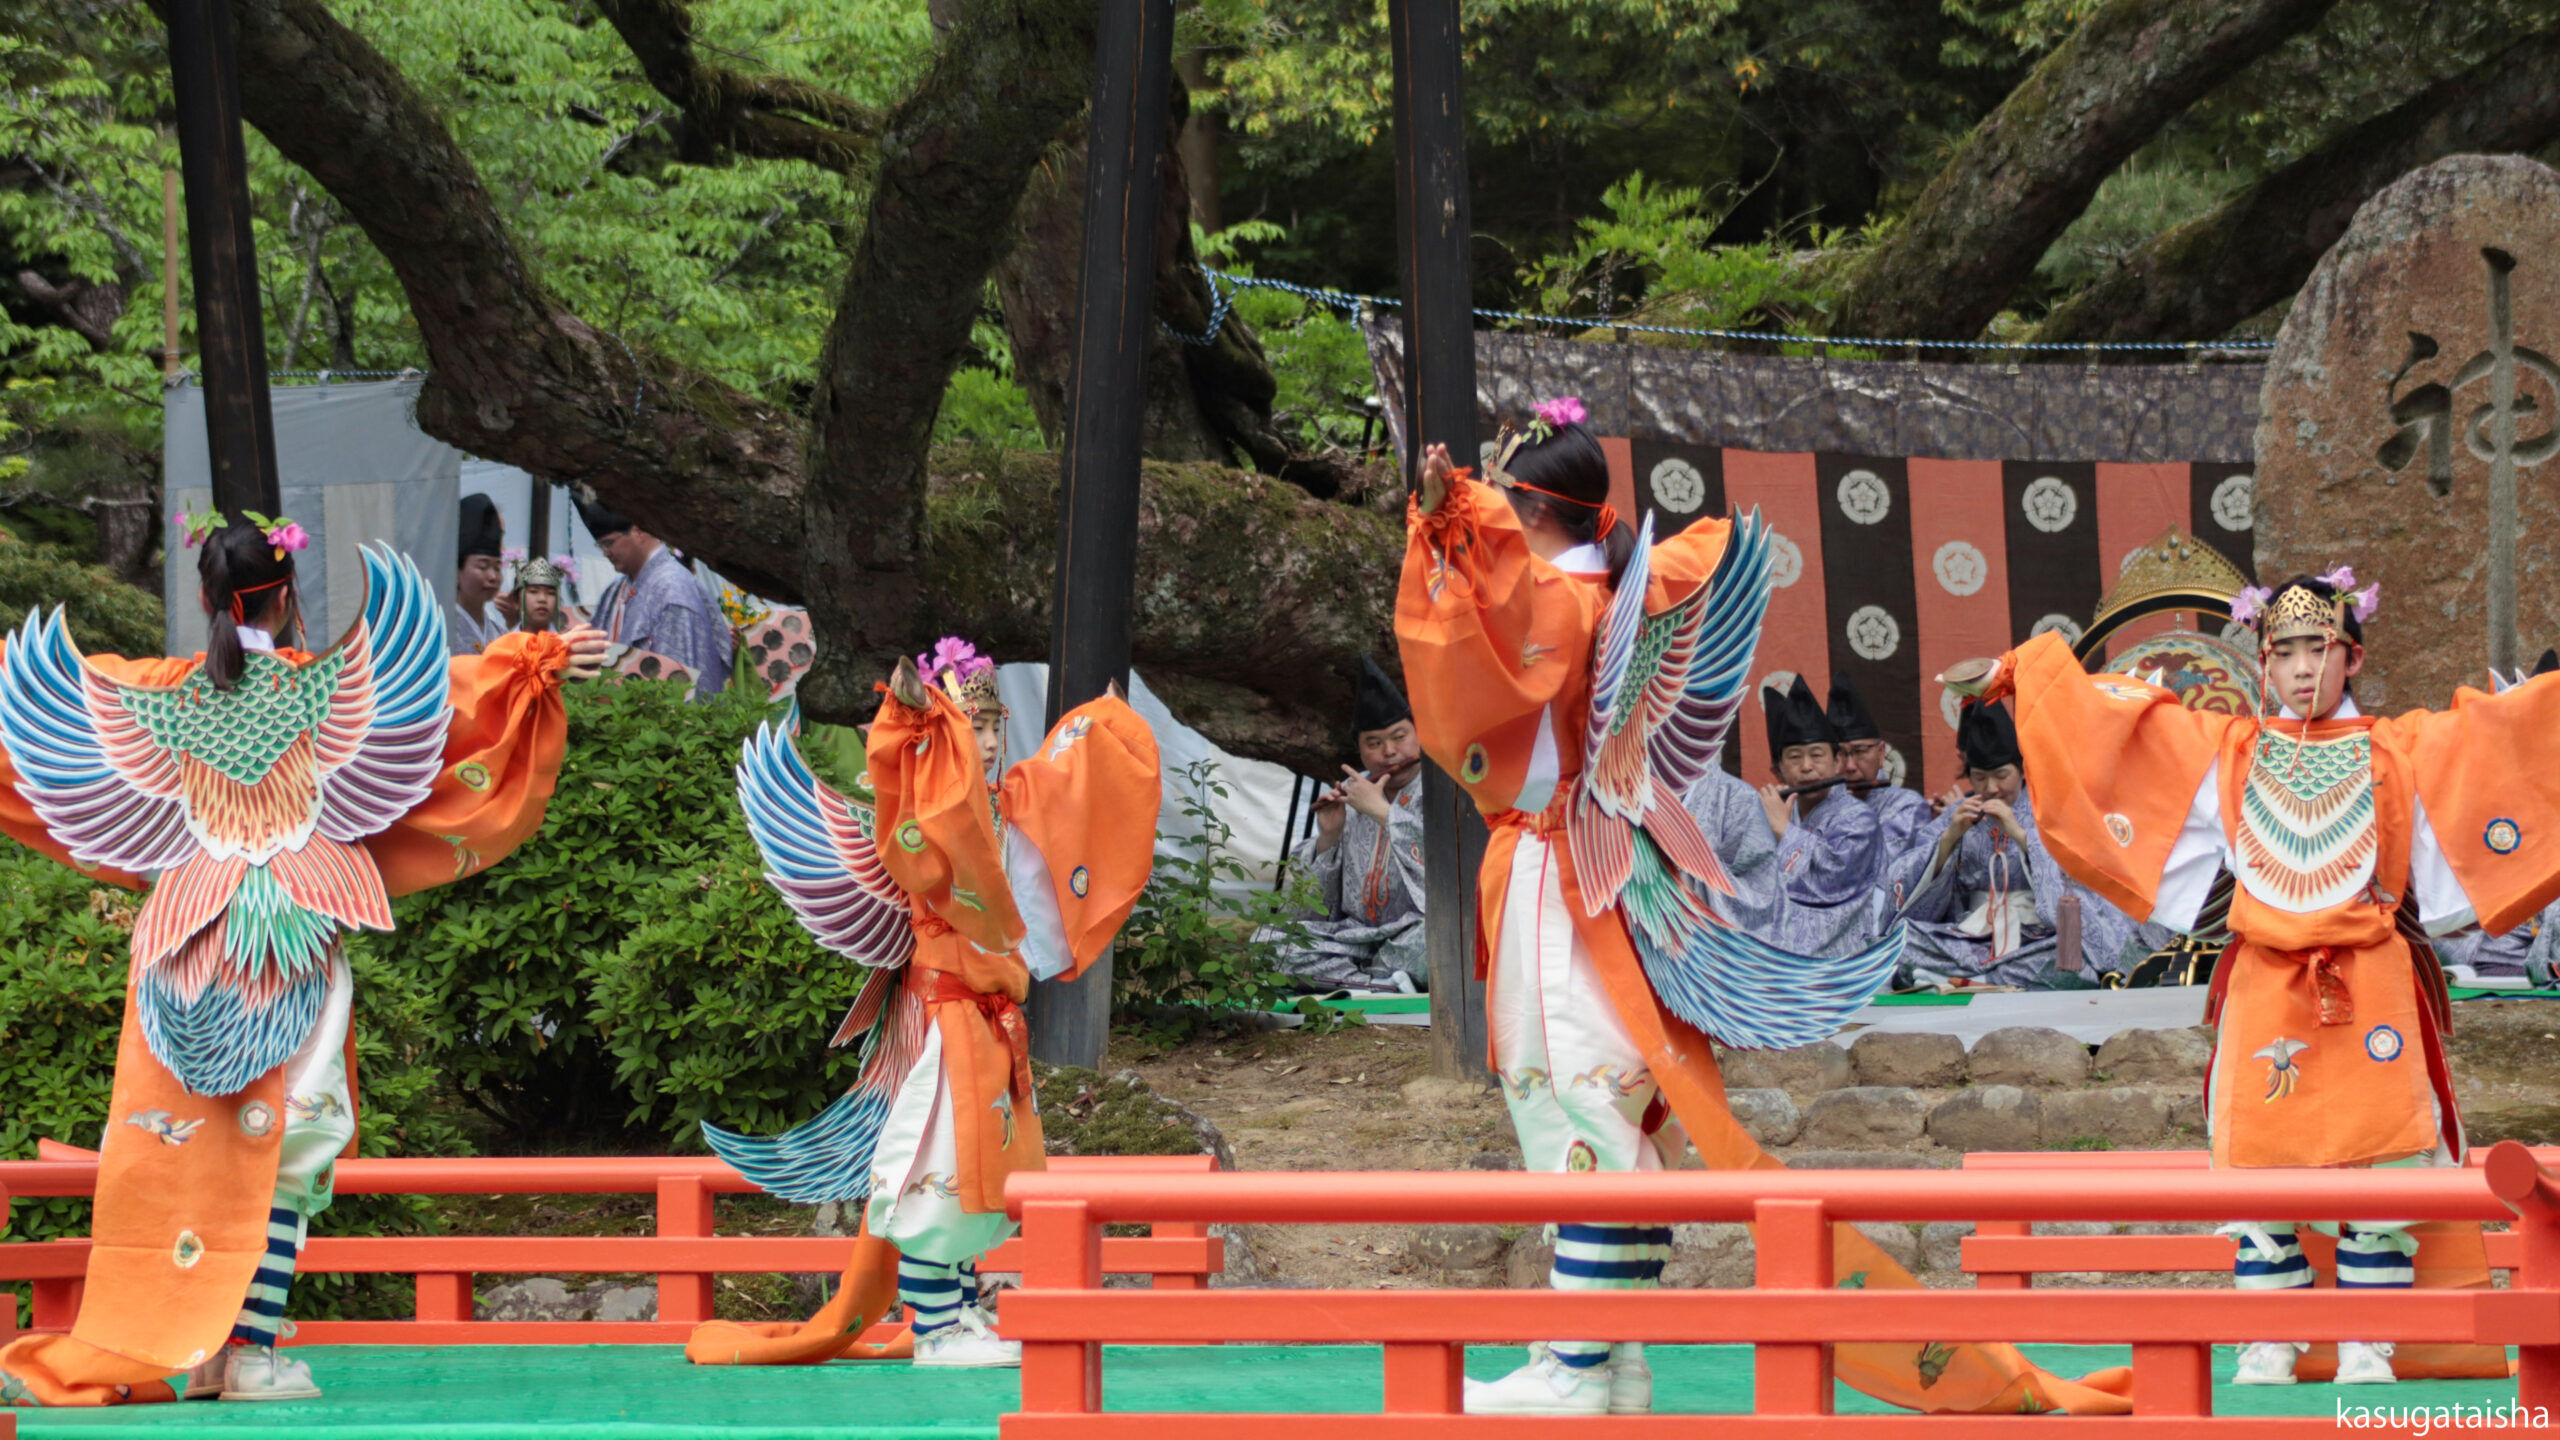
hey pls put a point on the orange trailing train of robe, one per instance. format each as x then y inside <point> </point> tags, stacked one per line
<point>1561,706</point>
<point>2329,1045</point>
<point>950,896</point>
<point>273,816</point>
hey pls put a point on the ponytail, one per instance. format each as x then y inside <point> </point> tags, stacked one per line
<point>238,569</point>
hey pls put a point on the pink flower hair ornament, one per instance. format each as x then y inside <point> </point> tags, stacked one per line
<point>2367,602</point>
<point>955,657</point>
<point>1562,411</point>
<point>281,533</point>
<point>2250,603</point>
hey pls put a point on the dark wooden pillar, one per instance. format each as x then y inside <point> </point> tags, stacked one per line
<point>1432,227</point>
<point>1106,408</point>
<point>231,335</point>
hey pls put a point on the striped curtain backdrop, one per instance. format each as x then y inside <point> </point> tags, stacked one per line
<point>1898,559</point>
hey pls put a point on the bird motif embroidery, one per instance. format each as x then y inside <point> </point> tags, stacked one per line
<point>1068,734</point>
<point>1004,1106</point>
<point>1613,1078</point>
<point>315,1107</point>
<point>170,1129</point>
<point>2282,1073</point>
<point>1531,654</point>
<point>1521,1082</point>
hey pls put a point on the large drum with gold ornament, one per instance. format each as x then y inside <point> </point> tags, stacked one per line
<point>2204,657</point>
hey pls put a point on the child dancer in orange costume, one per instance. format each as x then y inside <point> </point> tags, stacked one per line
<point>2338,829</point>
<point>957,883</point>
<point>1577,681</point>
<point>277,798</point>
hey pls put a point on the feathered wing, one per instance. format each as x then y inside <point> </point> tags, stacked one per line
<point>381,744</point>
<point>1733,985</point>
<point>1665,689</point>
<point>819,854</point>
<point>97,779</point>
<point>829,1158</point>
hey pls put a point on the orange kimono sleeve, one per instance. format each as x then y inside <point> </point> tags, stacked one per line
<point>2486,774</point>
<point>937,831</point>
<point>1080,836</point>
<point>1491,636</point>
<point>502,756</point>
<point>18,819</point>
<point>1684,562</point>
<point>2113,766</point>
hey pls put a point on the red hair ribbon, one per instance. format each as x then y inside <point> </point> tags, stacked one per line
<point>1608,518</point>
<point>237,615</point>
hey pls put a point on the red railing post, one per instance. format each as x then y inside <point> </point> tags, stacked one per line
<point>1179,1230</point>
<point>2172,1380</point>
<point>1063,1251</point>
<point>57,1303</point>
<point>684,1208</point>
<point>2017,1280</point>
<point>444,1297</point>
<point>2534,1193</point>
<point>1426,1378</point>
<point>1792,1242</point>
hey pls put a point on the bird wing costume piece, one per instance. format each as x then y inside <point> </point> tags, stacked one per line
<point>1664,690</point>
<point>820,853</point>
<point>249,803</point>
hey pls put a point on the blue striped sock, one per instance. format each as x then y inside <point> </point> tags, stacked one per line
<point>2376,1259</point>
<point>262,1312</point>
<point>968,1276</point>
<point>2283,1268</point>
<point>1605,1257</point>
<point>932,1291</point>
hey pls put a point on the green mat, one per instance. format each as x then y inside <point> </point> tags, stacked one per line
<point>2474,992</point>
<point>1922,998</point>
<point>643,1392</point>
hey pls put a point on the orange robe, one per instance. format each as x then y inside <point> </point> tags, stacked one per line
<point>1497,660</point>
<point>1084,811</point>
<point>1086,805</point>
<point>2329,1036</point>
<point>178,1230</point>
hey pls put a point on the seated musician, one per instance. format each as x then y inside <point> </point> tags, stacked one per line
<point>1367,855</point>
<point>1829,849</point>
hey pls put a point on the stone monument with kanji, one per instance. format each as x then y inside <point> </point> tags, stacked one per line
<point>2409,419</point>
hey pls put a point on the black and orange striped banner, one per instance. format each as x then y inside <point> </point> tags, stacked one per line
<point>1892,566</point>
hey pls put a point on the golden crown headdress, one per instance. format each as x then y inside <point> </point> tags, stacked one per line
<point>2297,611</point>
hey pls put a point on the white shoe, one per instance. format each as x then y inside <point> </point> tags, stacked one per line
<point>1630,1379</point>
<point>969,1343</point>
<point>258,1372</point>
<point>1547,1386</point>
<point>2268,1362</point>
<point>204,1382</point>
<point>2362,1364</point>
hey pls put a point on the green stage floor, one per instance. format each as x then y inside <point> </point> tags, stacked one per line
<point>626,1392</point>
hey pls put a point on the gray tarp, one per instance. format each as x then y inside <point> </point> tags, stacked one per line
<point>354,468</point>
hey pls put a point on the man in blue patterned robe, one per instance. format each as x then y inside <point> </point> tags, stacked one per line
<point>655,604</point>
<point>1980,892</point>
<point>1901,812</point>
<point>1828,849</point>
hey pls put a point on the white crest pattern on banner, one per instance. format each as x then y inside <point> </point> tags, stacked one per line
<point>1960,567</point>
<point>1864,497</point>
<point>1874,633</point>
<point>1678,487</point>
<point>2050,504</point>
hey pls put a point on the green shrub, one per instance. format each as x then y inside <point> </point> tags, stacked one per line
<point>63,960</point>
<point>627,971</point>
<point>1187,951</point>
<point>106,615</point>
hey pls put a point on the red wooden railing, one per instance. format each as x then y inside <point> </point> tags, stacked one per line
<point>1064,1317</point>
<point>684,1253</point>
<point>2003,1255</point>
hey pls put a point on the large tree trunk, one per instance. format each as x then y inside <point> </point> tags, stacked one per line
<point>2208,275</point>
<point>954,162</point>
<point>1204,402</point>
<point>2028,171</point>
<point>1253,598</point>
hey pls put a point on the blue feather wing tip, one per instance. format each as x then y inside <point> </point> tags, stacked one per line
<point>1751,995</point>
<point>826,1159</point>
